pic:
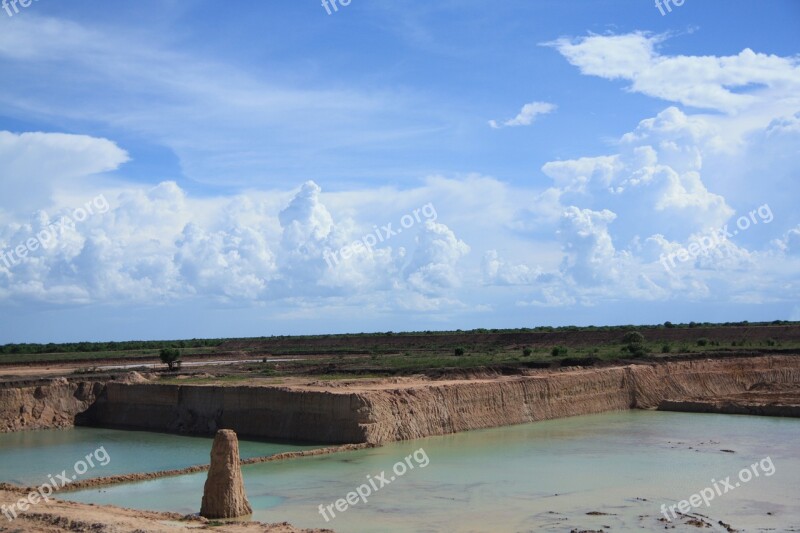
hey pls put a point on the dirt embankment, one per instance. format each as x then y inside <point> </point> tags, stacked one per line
<point>382,411</point>
<point>50,405</point>
<point>385,410</point>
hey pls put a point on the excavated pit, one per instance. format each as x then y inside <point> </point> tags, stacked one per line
<point>386,410</point>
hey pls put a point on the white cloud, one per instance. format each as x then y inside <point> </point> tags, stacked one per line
<point>600,226</point>
<point>433,265</point>
<point>158,244</point>
<point>33,165</point>
<point>731,84</point>
<point>527,115</point>
<point>235,264</point>
<point>654,184</point>
<point>790,243</point>
<point>497,271</point>
<point>591,258</point>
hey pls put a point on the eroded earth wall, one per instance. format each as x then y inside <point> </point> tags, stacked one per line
<point>51,405</point>
<point>387,412</point>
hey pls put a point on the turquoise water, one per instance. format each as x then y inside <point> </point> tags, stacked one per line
<point>27,458</point>
<point>536,477</point>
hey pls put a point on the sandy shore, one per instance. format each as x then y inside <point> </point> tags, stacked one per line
<point>57,516</point>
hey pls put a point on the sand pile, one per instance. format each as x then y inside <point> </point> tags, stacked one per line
<point>134,377</point>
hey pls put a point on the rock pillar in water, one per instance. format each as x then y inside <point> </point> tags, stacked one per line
<point>224,496</point>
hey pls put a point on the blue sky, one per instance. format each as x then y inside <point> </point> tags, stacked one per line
<point>568,161</point>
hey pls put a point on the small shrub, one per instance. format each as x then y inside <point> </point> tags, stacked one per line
<point>666,348</point>
<point>559,350</point>
<point>772,342</point>
<point>702,342</point>
<point>635,349</point>
<point>669,324</point>
<point>633,337</point>
<point>459,351</point>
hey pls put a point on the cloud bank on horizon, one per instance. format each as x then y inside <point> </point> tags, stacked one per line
<point>594,229</point>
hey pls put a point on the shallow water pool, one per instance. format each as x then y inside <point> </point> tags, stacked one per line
<point>544,476</point>
<point>28,457</point>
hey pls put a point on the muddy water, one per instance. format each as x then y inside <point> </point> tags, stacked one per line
<point>545,477</point>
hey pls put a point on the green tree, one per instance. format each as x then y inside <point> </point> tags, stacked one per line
<point>170,356</point>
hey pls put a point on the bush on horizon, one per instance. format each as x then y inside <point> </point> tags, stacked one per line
<point>633,337</point>
<point>559,350</point>
<point>170,356</point>
<point>527,352</point>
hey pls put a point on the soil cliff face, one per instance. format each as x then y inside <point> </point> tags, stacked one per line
<point>709,379</point>
<point>437,409</point>
<point>264,412</point>
<point>46,406</point>
<point>380,412</point>
<point>384,413</point>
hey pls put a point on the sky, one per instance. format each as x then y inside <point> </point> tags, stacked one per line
<point>194,169</point>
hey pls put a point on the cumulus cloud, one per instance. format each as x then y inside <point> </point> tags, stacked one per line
<point>601,227</point>
<point>655,180</point>
<point>158,244</point>
<point>497,271</point>
<point>729,84</point>
<point>433,265</point>
<point>527,115</point>
<point>590,258</point>
<point>35,164</point>
<point>235,264</point>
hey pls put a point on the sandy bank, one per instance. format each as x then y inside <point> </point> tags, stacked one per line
<point>58,516</point>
